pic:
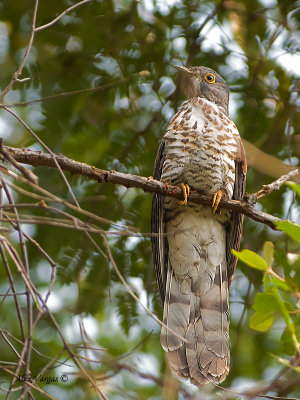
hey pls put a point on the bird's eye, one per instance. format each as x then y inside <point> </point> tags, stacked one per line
<point>210,78</point>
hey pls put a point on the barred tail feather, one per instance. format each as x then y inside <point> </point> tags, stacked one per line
<point>203,320</point>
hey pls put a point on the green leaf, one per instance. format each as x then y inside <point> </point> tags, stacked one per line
<point>268,252</point>
<point>287,343</point>
<point>281,306</point>
<point>294,187</point>
<point>261,321</point>
<point>280,284</point>
<point>250,258</point>
<point>265,303</point>
<point>127,310</point>
<point>291,229</point>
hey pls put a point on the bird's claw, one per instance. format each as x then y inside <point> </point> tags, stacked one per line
<point>216,200</point>
<point>185,192</point>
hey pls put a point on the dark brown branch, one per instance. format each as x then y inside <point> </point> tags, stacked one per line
<point>37,158</point>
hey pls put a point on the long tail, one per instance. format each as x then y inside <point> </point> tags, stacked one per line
<point>203,321</point>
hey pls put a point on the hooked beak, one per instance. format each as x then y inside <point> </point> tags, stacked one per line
<point>183,70</point>
<point>186,72</point>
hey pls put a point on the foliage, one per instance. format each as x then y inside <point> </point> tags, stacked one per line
<point>269,303</point>
<point>124,50</point>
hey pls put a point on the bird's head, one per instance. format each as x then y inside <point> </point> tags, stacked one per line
<point>204,82</point>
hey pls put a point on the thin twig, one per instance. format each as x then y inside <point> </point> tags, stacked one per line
<point>23,62</point>
<point>27,127</point>
<point>11,282</point>
<point>30,384</point>
<point>276,185</point>
<point>54,198</point>
<point>9,343</point>
<point>25,171</point>
<point>49,259</point>
<point>74,92</point>
<point>28,341</point>
<point>50,363</point>
<point>33,348</point>
<point>133,295</point>
<point>36,293</point>
<point>61,15</point>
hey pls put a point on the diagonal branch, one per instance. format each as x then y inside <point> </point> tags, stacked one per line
<point>40,28</point>
<point>276,185</point>
<point>28,49</point>
<point>246,207</point>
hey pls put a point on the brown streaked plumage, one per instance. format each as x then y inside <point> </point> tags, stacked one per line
<point>202,150</point>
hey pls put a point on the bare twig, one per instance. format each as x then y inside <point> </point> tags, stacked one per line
<point>147,184</point>
<point>133,295</point>
<point>23,62</point>
<point>52,198</point>
<point>276,185</point>
<point>74,92</point>
<point>30,384</point>
<point>35,293</point>
<point>2,333</point>
<point>17,227</point>
<point>11,282</point>
<point>28,341</point>
<point>27,127</point>
<point>67,10</point>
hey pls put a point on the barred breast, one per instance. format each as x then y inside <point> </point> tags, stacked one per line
<point>201,144</point>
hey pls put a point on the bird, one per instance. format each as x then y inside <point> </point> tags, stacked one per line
<point>201,150</point>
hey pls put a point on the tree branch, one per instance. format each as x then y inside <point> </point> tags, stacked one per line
<point>246,207</point>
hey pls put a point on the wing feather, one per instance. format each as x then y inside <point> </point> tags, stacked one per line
<point>235,226</point>
<point>159,242</point>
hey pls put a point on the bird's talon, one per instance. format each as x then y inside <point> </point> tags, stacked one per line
<point>216,200</point>
<point>185,192</point>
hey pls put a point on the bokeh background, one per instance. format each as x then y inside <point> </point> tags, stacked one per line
<point>127,49</point>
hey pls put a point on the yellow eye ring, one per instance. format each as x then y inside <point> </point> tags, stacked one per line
<point>210,78</point>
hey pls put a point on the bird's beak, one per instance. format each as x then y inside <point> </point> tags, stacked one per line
<point>183,70</point>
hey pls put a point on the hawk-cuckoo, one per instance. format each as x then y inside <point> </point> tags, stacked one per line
<point>201,150</point>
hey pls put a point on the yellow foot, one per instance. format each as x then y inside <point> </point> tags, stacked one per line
<point>185,192</point>
<point>216,200</point>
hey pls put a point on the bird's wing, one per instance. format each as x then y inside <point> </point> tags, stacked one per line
<point>235,225</point>
<point>159,241</point>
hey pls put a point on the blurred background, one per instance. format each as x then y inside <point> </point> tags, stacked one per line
<point>126,50</point>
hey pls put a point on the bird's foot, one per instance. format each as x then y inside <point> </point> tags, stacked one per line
<point>185,191</point>
<point>216,200</point>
